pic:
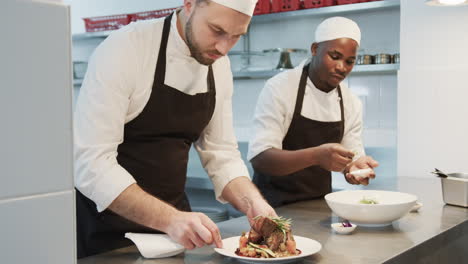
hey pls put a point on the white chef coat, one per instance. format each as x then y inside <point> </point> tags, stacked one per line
<point>275,109</point>
<point>115,90</point>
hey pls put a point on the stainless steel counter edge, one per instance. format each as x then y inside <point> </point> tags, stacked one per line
<point>438,233</point>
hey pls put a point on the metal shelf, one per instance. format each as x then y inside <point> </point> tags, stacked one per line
<point>376,68</point>
<point>358,69</point>
<point>255,74</point>
<point>88,35</point>
<point>330,10</point>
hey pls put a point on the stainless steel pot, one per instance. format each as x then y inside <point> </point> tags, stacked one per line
<point>244,61</point>
<point>455,189</point>
<point>396,58</point>
<point>286,58</point>
<point>383,58</point>
<point>365,59</point>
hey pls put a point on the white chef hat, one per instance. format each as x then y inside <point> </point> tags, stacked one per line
<point>244,6</point>
<point>337,27</point>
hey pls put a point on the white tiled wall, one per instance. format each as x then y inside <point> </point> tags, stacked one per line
<point>36,189</point>
<point>433,90</point>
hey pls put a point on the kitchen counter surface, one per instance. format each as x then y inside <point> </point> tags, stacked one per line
<point>438,233</point>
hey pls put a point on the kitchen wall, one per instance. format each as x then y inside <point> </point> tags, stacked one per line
<point>432,89</point>
<point>37,207</point>
<point>378,92</point>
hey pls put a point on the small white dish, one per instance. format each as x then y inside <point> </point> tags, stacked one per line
<point>342,230</point>
<point>416,207</point>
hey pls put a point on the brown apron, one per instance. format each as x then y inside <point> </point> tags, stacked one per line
<point>312,182</point>
<point>155,152</point>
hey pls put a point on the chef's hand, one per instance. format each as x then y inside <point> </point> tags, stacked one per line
<point>364,162</point>
<point>258,207</point>
<point>193,230</point>
<point>333,156</point>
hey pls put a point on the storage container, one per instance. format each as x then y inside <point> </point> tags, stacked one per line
<point>345,2</point>
<point>455,189</point>
<point>262,7</point>
<point>317,3</point>
<point>285,5</point>
<point>104,23</point>
<point>151,14</point>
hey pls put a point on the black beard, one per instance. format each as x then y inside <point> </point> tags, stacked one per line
<point>194,50</point>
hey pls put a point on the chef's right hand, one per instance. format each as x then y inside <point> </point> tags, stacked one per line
<point>193,230</point>
<point>334,157</point>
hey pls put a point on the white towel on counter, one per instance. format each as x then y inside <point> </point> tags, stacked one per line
<point>155,245</point>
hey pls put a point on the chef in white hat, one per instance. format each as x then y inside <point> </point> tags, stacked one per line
<point>152,90</point>
<point>308,123</point>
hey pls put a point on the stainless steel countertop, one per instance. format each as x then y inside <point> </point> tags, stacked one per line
<point>436,234</point>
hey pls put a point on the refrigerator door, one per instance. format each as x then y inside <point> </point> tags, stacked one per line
<point>36,164</point>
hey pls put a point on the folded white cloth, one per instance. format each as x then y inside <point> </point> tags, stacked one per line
<point>155,245</point>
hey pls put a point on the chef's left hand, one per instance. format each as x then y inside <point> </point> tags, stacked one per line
<point>259,206</point>
<point>361,163</point>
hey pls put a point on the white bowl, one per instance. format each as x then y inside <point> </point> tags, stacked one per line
<point>343,230</point>
<point>391,206</point>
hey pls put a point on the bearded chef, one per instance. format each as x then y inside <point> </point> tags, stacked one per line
<point>308,123</point>
<point>152,90</point>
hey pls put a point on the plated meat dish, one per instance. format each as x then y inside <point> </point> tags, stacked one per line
<point>269,237</point>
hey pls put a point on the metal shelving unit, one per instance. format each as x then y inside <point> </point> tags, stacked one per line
<point>319,12</point>
<point>322,11</point>
<point>330,10</point>
<point>358,69</point>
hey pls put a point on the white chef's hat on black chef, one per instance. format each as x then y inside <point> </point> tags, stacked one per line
<point>337,27</point>
<point>244,6</point>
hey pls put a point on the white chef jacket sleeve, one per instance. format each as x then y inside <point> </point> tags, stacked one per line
<point>99,119</point>
<point>273,114</point>
<point>217,146</point>
<point>352,138</point>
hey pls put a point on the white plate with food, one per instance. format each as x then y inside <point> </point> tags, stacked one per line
<point>270,240</point>
<point>306,246</point>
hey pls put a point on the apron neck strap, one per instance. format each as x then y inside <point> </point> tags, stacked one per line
<point>161,64</point>
<point>301,92</point>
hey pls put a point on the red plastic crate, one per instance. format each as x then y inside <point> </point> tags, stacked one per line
<point>317,3</point>
<point>103,23</point>
<point>262,7</point>
<point>151,14</point>
<point>345,2</point>
<point>285,5</point>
